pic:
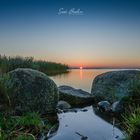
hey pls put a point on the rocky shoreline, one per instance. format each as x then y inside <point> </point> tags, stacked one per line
<point>33,91</point>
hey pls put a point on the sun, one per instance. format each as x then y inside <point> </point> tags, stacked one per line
<point>81,67</point>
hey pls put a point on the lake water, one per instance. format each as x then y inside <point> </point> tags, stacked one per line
<point>86,123</point>
<point>77,78</point>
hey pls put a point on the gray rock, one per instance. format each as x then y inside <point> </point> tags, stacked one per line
<point>104,106</point>
<point>75,96</point>
<point>117,107</point>
<point>115,85</point>
<point>63,105</point>
<point>33,91</point>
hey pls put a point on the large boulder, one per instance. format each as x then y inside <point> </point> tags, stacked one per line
<point>33,91</point>
<point>75,96</point>
<point>113,86</point>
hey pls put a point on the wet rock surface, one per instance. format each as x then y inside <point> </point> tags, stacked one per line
<point>75,96</point>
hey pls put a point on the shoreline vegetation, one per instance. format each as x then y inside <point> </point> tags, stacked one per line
<point>31,125</point>
<point>14,125</point>
<point>8,63</point>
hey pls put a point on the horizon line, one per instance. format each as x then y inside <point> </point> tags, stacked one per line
<point>105,67</point>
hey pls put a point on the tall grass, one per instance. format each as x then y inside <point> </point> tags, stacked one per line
<point>10,63</point>
<point>5,91</point>
<point>131,117</point>
<point>25,127</point>
<point>132,123</point>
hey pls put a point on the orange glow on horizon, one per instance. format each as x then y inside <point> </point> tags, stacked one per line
<point>107,64</point>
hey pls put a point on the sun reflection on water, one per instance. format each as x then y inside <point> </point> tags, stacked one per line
<point>81,74</point>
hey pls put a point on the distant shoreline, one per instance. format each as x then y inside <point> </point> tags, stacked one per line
<point>107,68</point>
<point>8,63</point>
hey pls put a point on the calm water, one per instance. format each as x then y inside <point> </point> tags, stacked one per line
<point>79,78</point>
<point>86,123</point>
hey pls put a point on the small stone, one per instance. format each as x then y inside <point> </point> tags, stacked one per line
<point>117,107</point>
<point>117,137</point>
<point>104,106</point>
<point>63,105</point>
<point>84,110</point>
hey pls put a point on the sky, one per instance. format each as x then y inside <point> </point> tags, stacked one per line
<point>88,33</point>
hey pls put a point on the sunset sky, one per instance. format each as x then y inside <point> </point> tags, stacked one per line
<point>106,34</point>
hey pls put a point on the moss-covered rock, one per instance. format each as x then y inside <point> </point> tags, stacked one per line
<point>33,91</point>
<point>115,85</point>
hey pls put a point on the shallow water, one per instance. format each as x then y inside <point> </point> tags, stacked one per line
<point>87,124</point>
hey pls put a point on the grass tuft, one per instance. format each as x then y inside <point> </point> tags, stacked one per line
<point>132,123</point>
